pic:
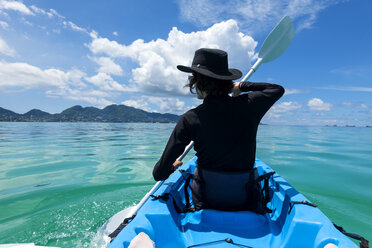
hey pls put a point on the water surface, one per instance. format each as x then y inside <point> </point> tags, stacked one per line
<point>59,182</point>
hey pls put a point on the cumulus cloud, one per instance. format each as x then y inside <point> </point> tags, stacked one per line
<point>105,82</point>
<point>73,84</point>
<point>285,107</point>
<point>168,104</point>
<point>5,49</point>
<point>108,66</point>
<point>157,59</point>
<point>15,6</point>
<point>95,97</point>
<point>253,15</point>
<point>319,105</point>
<point>139,104</point>
<point>26,76</point>
<point>165,104</point>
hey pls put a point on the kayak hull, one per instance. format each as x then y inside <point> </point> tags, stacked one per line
<point>299,226</point>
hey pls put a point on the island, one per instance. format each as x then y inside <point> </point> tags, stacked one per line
<point>111,113</point>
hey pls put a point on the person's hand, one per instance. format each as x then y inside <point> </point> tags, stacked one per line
<point>236,89</point>
<point>177,164</point>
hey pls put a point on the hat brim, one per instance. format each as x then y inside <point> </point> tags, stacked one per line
<point>233,73</point>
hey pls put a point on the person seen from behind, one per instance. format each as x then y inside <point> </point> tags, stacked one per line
<point>223,129</point>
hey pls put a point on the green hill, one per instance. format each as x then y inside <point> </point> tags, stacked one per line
<point>112,113</point>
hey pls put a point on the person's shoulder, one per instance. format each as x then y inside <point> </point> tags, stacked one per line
<point>190,113</point>
<point>241,99</point>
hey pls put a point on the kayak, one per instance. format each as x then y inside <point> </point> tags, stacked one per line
<point>294,221</point>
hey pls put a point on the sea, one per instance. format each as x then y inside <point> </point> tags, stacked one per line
<point>60,182</point>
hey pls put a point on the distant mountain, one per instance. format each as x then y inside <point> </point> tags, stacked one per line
<point>35,114</point>
<point>7,115</point>
<point>112,113</point>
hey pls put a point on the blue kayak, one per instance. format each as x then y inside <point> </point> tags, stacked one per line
<point>294,222</point>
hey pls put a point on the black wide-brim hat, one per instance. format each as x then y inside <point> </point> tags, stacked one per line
<point>212,63</point>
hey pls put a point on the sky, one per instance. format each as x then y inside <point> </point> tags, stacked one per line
<point>57,54</point>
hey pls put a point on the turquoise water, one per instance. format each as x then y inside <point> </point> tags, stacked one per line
<point>59,182</point>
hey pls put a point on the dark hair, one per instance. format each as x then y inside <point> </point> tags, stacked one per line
<point>209,85</point>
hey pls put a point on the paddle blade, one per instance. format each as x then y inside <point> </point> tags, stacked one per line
<point>277,41</point>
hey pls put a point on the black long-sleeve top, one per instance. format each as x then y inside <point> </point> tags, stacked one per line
<point>223,129</point>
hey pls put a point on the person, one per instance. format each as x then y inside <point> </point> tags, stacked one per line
<point>223,128</point>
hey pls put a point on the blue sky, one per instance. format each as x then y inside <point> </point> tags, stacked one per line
<point>56,54</point>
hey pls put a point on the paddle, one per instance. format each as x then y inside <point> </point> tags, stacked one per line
<point>275,44</point>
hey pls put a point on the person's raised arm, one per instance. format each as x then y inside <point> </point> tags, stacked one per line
<point>262,95</point>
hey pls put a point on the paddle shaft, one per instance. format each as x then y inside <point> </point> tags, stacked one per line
<point>252,70</point>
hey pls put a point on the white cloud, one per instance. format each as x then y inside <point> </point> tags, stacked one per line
<point>165,104</point>
<point>108,66</point>
<point>319,105</point>
<point>16,6</point>
<point>354,88</point>
<point>363,106</point>
<point>55,13</point>
<point>106,82</point>
<point>157,59</point>
<point>57,83</point>
<point>30,24</point>
<point>355,71</point>
<point>348,104</point>
<point>139,104</point>
<point>168,104</point>
<point>74,26</point>
<point>41,11</point>
<point>5,49</point>
<point>352,105</point>
<point>115,33</point>
<point>285,107</point>
<point>26,76</point>
<point>3,13</point>
<point>293,91</point>
<point>253,15</point>
<point>95,97</point>
<point>4,25</point>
